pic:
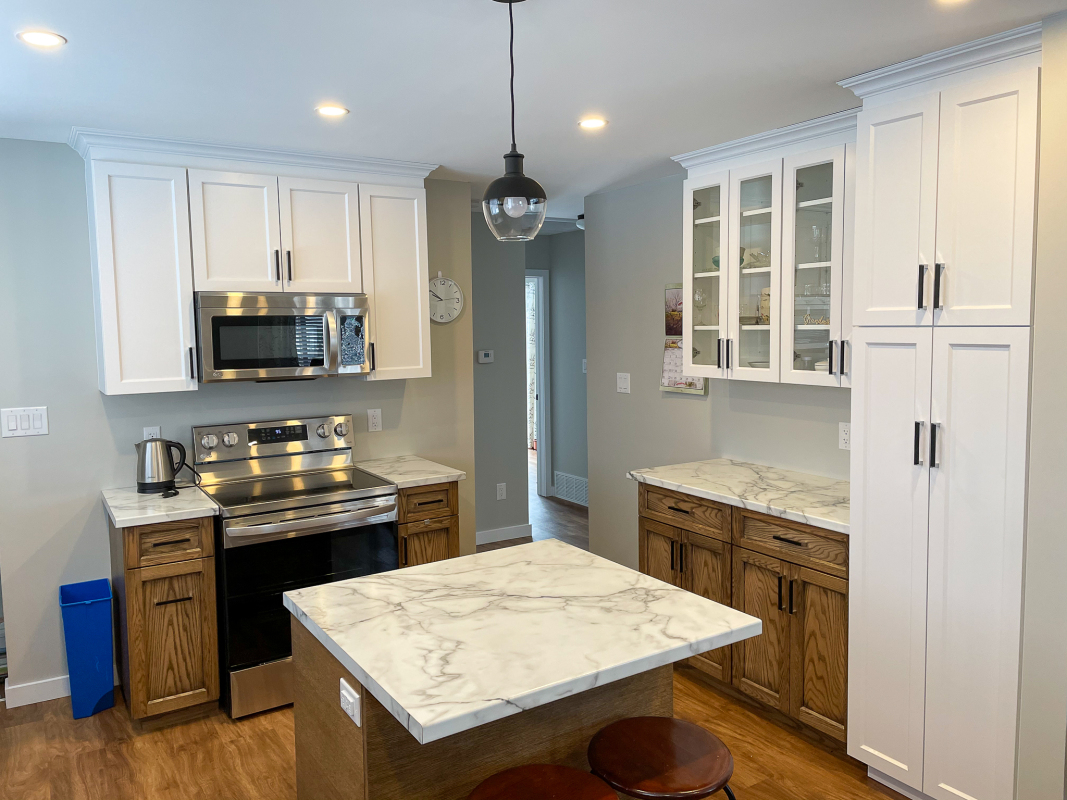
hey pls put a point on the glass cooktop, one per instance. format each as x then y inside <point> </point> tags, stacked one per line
<point>276,493</point>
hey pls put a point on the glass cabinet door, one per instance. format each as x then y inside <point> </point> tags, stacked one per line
<point>811,273</point>
<point>754,266</point>
<point>704,293</point>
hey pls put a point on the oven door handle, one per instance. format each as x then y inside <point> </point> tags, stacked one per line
<point>323,522</point>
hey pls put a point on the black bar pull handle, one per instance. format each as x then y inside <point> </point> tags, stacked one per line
<point>672,555</point>
<point>934,460</point>
<point>176,600</point>
<point>922,286</point>
<point>728,353</point>
<point>830,360</point>
<point>918,460</point>
<point>681,557</point>
<point>192,364</point>
<point>792,605</point>
<point>373,362</point>
<point>429,502</point>
<point>278,265</point>
<point>289,264</point>
<point>405,551</point>
<point>939,270</point>
<point>718,353</point>
<point>679,510</point>
<point>171,541</point>
<point>841,369</point>
<point>781,603</point>
<point>787,540</point>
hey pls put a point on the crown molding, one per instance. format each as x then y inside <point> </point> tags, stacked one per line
<point>840,123</point>
<point>999,47</point>
<point>91,143</point>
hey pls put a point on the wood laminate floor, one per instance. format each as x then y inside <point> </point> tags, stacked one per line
<point>47,755</point>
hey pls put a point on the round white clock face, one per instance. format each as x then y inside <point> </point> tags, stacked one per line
<point>446,300</point>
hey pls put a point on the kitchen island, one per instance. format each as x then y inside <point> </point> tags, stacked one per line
<point>476,664</point>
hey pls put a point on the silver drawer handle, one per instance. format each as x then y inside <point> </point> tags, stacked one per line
<point>312,522</point>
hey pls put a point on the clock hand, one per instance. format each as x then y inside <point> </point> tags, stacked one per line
<point>435,295</point>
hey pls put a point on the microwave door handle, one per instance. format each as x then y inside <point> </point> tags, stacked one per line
<point>331,344</point>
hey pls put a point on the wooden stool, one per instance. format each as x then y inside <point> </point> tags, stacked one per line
<point>543,782</point>
<point>661,757</point>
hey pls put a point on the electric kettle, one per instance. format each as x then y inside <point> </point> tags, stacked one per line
<point>156,468</point>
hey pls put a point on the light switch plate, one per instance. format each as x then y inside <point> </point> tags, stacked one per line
<point>485,356</point>
<point>501,491</point>
<point>622,382</point>
<point>374,419</point>
<point>152,432</point>
<point>844,436</point>
<point>350,701</point>
<point>24,421</point>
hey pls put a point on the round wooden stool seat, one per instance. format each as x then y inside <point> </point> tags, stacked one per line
<point>661,757</point>
<point>543,782</point>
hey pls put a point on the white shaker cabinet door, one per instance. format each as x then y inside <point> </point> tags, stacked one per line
<point>888,549</point>
<point>236,241</point>
<point>977,508</point>
<point>896,212</point>
<point>320,236</point>
<point>143,278</point>
<point>987,169</point>
<point>396,279</point>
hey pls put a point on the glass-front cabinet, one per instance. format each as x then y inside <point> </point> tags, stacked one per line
<point>812,245</point>
<point>704,300</point>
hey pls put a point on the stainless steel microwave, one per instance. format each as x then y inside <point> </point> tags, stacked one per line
<point>281,336</point>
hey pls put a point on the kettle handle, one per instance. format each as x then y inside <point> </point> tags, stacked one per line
<point>181,456</point>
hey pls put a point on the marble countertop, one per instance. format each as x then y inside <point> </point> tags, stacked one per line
<point>409,471</point>
<point>127,508</point>
<point>456,644</point>
<point>823,502</point>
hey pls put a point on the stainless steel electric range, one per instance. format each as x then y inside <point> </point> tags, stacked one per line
<point>295,512</point>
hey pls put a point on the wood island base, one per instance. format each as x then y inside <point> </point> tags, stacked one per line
<point>381,760</point>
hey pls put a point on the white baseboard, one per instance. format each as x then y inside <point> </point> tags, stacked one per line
<point>896,785</point>
<point>23,694</point>
<point>503,534</point>
<point>572,488</point>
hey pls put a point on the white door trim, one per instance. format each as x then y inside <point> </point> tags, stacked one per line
<point>544,385</point>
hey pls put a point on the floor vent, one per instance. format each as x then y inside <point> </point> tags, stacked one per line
<point>573,488</point>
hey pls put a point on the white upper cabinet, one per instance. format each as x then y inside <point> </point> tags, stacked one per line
<point>987,169</point>
<point>320,236</point>
<point>896,204</point>
<point>706,202</point>
<point>143,278</point>
<point>235,232</point>
<point>977,513</point>
<point>396,279</point>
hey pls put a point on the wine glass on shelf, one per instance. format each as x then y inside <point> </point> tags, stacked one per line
<point>700,302</point>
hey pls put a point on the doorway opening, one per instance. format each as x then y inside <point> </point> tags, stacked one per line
<point>538,407</point>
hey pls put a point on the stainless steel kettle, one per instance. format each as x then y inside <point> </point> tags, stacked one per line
<point>156,467</point>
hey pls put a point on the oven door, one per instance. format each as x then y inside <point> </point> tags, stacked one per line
<point>266,343</point>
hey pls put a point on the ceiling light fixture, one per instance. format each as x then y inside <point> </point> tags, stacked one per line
<point>42,38</point>
<point>330,110</point>
<point>592,123</point>
<point>581,222</point>
<point>514,205</point>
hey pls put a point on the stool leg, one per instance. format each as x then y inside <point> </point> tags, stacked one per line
<point>729,792</point>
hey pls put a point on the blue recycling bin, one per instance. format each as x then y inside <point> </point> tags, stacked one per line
<point>90,658</point>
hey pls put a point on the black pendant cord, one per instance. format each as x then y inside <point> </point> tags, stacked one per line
<point>511,20</point>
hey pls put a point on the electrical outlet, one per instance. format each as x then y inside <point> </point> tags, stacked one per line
<point>501,491</point>
<point>350,701</point>
<point>24,421</point>
<point>844,436</point>
<point>622,382</point>
<point>152,432</point>
<point>485,356</point>
<point>374,419</point>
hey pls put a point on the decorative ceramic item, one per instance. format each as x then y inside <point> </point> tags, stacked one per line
<point>810,320</point>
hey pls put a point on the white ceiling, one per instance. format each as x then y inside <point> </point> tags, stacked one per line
<point>426,80</point>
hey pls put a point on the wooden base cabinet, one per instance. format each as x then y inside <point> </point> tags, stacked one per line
<point>792,576</point>
<point>164,582</point>
<point>429,523</point>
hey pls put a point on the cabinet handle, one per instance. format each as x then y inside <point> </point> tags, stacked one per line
<point>841,369</point>
<point>787,540</point>
<point>934,460</point>
<point>792,608</point>
<point>681,557</point>
<point>278,266</point>
<point>830,360</point>
<point>939,270</point>
<point>718,353</point>
<point>922,286</point>
<point>373,362</point>
<point>672,555</point>
<point>679,510</point>
<point>781,604</point>
<point>177,600</point>
<point>192,364</point>
<point>289,264</point>
<point>728,353</point>
<point>918,460</point>
<point>405,551</point>
<point>171,541</point>
<point>429,502</point>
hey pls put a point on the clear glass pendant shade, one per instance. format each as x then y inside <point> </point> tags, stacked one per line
<point>514,205</point>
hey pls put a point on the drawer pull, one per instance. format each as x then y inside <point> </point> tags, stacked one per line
<point>787,540</point>
<point>171,541</point>
<point>679,510</point>
<point>429,502</point>
<point>176,600</point>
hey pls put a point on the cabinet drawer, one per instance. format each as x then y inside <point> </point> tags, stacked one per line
<point>793,542</point>
<point>168,542</point>
<point>428,502</point>
<point>685,511</point>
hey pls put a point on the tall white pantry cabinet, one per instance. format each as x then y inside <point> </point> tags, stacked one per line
<point>945,209</point>
<point>170,218</point>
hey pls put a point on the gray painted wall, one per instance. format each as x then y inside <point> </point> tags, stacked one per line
<point>633,247</point>
<point>498,303</point>
<point>53,527</point>
<point>563,256</point>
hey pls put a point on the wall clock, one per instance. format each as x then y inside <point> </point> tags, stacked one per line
<point>446,299</point>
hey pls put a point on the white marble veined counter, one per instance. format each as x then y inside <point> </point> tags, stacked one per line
<point>126,507</point>
<point>452,645</point>
<point>409,471</point>
<point>823,502</point>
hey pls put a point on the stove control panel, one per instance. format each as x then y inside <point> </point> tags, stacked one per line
<point>273,435</point>
<point>249,440</point>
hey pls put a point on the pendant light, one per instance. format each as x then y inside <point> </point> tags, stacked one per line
<point>514,205</point>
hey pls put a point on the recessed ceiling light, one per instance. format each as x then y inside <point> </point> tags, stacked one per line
<point>330,110</point>
<point>591,123</point>
<point>42,38</point>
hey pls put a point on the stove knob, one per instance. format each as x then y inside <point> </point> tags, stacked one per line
<point>322,431</point>
<point>209,440</point>
<point>229,438</point>
<point>341,429</point>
